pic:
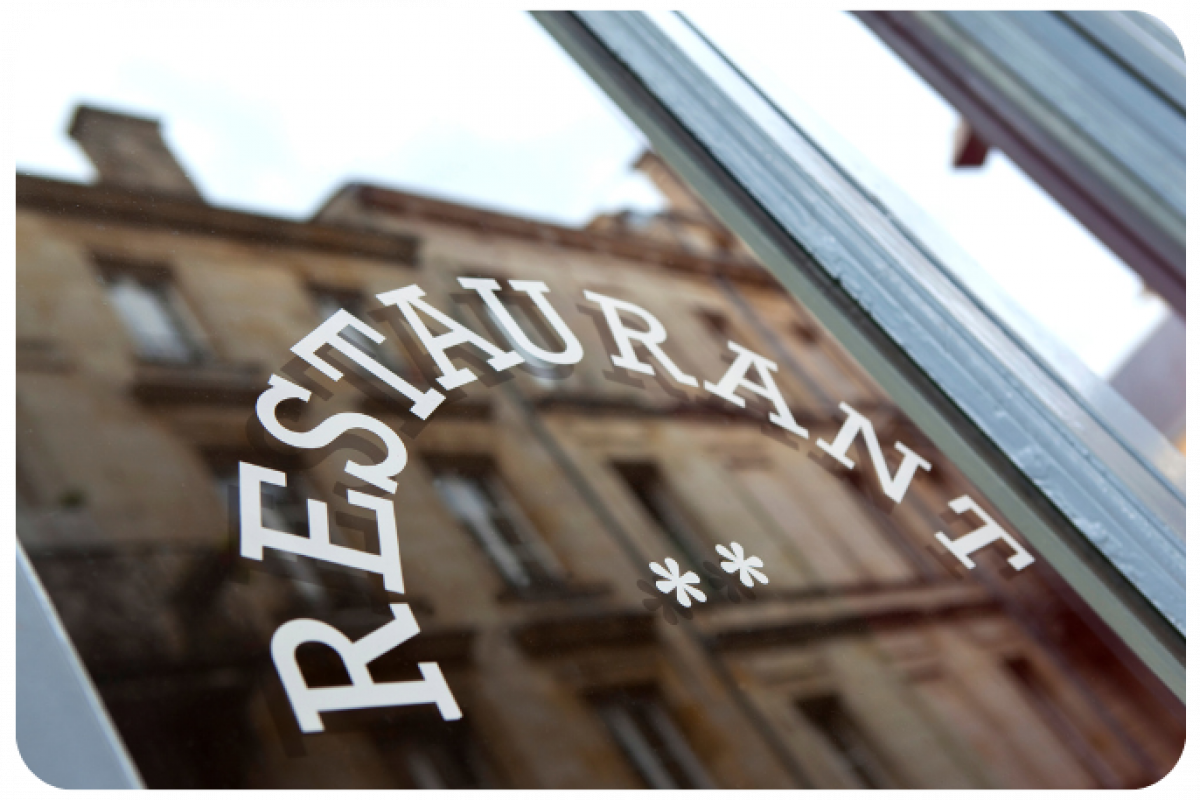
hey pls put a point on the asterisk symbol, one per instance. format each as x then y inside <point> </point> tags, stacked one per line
<point>736,561</point>
<point>677,583</point>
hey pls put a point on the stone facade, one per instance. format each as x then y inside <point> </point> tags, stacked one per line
<point>872,658</point>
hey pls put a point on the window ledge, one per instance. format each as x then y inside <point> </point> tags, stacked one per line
<point>551,636</point>
<point>569,590</point>
<point>204,382</point>
<point>41,355</point>
<point>379,401</point>
<point>735,628</point>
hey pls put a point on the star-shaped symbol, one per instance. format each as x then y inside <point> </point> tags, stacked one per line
<point>736,561</point>
<point>674,582</point>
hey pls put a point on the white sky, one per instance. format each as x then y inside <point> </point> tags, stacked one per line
<point>272,106</point>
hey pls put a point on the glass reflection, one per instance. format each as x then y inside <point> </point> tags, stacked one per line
<point>533,501</point>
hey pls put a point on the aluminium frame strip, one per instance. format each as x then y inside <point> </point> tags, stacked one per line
<point>1100,515</point>
<point>63,732</point>
<point>1087,103</point>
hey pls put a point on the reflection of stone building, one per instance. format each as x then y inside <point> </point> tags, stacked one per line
<point>147,323</point>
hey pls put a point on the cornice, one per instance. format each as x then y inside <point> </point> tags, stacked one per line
<point>173,213</point>
<point>177,214</point>
<point>630,247</point>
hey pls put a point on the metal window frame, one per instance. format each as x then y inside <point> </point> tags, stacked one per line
<point>1063,472</point>
<point>64,734</point>
<point>1097,510</point>
<point>1089,103</point>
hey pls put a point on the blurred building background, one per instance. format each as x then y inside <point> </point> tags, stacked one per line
<point>147,324</point>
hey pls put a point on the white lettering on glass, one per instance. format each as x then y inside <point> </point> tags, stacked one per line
<point>328,332</point>
<point>893,486</point>
<point>735,378</point>
<point>981,537</point>
<point>736,560</point>
<point>254,537</point>
<point>654,335</point>
<point>682,584</point>
<point>363,692</point>
<point>379,475</point>
<point>408,300</point>
<point>487,288</point>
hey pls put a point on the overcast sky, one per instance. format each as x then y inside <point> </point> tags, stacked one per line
<point>272,106</point>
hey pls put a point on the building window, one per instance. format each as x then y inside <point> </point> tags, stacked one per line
<point>436,756</point>
<point>1041,697</point>
<point>806,333</point>
<point>329,300</point>
<point>647,484</point>
<point>717,324</point>
<point>284,508</point>
<point>651,740</point>
<point>842,733</point>
<point>533,323</point>
<point>153,313</point>
<point>474,493</point>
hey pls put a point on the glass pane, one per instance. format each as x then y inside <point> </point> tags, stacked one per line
<point>572,495</point>
<point>1010,241</point>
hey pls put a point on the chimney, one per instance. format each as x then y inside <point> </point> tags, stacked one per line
<point>129,152</point>
<point>679,196</point>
